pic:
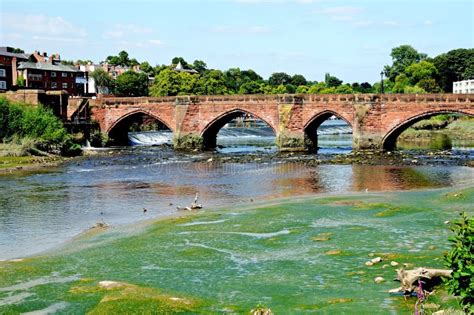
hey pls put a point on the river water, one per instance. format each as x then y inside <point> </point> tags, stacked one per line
<point>258,239</point>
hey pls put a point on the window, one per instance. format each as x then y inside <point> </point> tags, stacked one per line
<point>64,85</point>
<point>54,85</point>
<point>64,74</point>
<point>3,73</point>
<point>3,85</point>
<point>53,74</point>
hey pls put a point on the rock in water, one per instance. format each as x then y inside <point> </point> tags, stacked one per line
<point>379,279</point>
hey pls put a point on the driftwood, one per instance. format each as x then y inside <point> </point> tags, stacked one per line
<point>194,205</point>
<point>409,279</point>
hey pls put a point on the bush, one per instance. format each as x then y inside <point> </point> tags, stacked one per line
<point>20,120</point>
<point>461,260</point>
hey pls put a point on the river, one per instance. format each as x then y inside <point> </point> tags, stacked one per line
<point>43,210</point>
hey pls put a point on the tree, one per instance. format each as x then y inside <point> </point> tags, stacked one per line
<point>455,65</point>
<point>171,83</point>
<point>302,89</point>
<point>147,68</point>
<point>344,89</point>
<point>278,78</point>
<point>103,81</point>
<point>177,60</point>
<point>131,83</point>
<point>250,87</point>
<point>17,50</point>
<point>123,58</point>
<point>401,82</point>
<point>298,80</point>
<point>402,57</point>
<point>421,70</point>
<point>212,83</point>
<point>200,66</point>
<point>331,81</point>
<point>316,88</point>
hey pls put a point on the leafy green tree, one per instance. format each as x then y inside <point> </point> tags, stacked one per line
<point>455,65</point>
<point>133,62</point>
<point>328,90</point>
<point>18,51</point>
<point>131,83</point>
<point>461,260</point>
<point>290,88</point>
<point>212,83</point>
<point>401,82</point>
<point>429,85</point>
<point>103,80</point>
<point>421,70</point>
<point>279,78</point>
<point>317,88</point>
<point>331,81</point>
<point>344,89</point>
<point>414,90</point>
<point>402,57</point>
<point>281,89</point>
<point>250,87</point>
<point>147,68</point>
<point>123,58</point>
<point>200,66</point>
<point>171,83</point>
<point>302,89</point>
<point>298,80</point>
<point>177,60</point>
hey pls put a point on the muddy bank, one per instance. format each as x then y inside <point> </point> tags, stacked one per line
<point>10,165</point>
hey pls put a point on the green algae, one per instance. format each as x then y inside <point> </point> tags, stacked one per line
<point>232,259</point>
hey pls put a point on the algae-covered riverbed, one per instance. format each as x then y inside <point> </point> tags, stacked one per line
<point>295,256</point>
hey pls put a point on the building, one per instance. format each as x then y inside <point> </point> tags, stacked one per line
<point>179,67</point>
<point>89,82</point>
<point>463,87</point>
<point>8,67</point>
<point>47,73</point>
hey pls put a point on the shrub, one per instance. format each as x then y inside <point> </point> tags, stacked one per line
<point>461,260</point>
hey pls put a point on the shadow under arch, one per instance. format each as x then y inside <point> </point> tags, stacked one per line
<point>389,142</point>
<point>118,132</point>
<point>311,127</point>
<point>209,133</point>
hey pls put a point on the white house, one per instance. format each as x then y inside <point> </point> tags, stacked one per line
<point>463,87</point>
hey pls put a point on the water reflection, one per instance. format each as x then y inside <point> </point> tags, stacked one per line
<point>42,210</point>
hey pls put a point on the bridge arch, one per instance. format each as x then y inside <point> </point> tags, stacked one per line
<point>118,130</point>
<point>311,127</point>
<point>389,141</point>
<point>210,131</point>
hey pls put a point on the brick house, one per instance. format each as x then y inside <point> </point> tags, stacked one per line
<point>47,73</point>
<point>8,67</point>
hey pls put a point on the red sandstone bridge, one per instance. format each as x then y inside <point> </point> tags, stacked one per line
<point>376,119</point>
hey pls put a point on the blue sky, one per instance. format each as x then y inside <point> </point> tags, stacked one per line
<point>350,39</point>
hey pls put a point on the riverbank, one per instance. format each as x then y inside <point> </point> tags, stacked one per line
<point>439,133</point>
<point>294,256</point>
<point>17,164</point>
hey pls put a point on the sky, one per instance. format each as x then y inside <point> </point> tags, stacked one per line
<point>349,39</point>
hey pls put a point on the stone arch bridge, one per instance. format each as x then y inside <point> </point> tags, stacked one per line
<point>376,119</point>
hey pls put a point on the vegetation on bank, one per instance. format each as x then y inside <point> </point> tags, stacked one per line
<point>27,130</point>
<point>461,260</point>
<point>410,72</point>
<point>455,126</point>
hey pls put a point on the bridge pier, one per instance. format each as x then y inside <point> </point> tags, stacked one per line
<point>291,142</point>
<point>362,141</point>
<point>188,142</point>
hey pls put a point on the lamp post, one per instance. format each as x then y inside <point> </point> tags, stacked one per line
<point>381,82</point>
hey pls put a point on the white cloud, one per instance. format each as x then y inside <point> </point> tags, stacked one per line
<point>40,24</point>
<point>343,13</point>
<point>428,22</point>
<point>126,30</point>
<point>57,39</point>
<point>243,30</point>
<point>155,42</point>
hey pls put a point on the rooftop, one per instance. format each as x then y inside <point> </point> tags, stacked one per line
<point>5,51</point>
<point>46,66</point>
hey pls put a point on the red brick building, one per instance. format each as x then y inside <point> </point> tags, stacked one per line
<point>8,67</point>
<point>47,73</point>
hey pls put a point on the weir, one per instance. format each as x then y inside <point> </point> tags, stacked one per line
<point>376,119</point>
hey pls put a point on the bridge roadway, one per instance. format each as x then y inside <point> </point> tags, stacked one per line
<point>376,119</point>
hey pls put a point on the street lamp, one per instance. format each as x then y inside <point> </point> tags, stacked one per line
<point>381,81</point>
